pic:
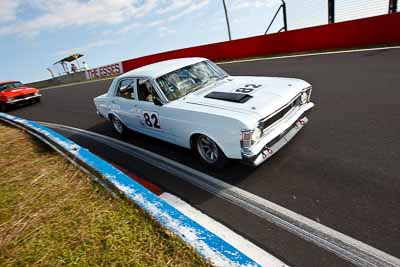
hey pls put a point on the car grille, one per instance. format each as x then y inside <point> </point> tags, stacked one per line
<point>24,96</point>
<point>266,123</point>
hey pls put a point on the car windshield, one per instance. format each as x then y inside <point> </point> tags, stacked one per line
<point>183,81</point>
<point>10,85</point>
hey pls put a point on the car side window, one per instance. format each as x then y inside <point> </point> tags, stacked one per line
<point>126,89</point>
<point>146,90</point>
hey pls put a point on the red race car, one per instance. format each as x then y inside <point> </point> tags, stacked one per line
<point>14,93</point>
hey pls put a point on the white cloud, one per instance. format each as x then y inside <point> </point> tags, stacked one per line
<point>85,48</point>
<point>155,23</point>
<point>137,26</point>
<point>58,14</point>
<point>8,10</point>
<point>99,43</point>
<point>195,6</point>
<point>129,28</point>
<point>239,4</point>
<point>171,5</point>
<point>165,31</point>
<point>55,15</point>
<point>238,20</point>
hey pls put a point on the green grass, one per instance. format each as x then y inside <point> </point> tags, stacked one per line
<point>52,214</point>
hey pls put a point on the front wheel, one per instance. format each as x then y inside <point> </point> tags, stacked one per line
<point>118,125</point>
<point>210,153</point>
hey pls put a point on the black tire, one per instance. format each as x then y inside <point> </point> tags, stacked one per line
<point>119,127</point>
<point>3,107</point>
<point>35,100</point>
<point>214,157</point>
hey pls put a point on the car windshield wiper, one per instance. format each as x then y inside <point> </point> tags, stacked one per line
<point>219,77</point>
<point>206,82</point>
<point>195,88</point>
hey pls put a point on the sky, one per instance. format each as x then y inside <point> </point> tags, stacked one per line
<point>36,33</point>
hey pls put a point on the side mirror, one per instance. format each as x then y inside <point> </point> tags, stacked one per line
<point>157,101</point>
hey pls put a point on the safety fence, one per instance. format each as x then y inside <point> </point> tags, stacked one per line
<point>372,31</point>
<point>308,26</point>
<point>299,14</point>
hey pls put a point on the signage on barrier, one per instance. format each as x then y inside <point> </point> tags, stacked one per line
<point>104,71</point>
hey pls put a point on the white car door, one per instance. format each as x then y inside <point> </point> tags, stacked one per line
<point>154,118</point>
<point>125,103</point>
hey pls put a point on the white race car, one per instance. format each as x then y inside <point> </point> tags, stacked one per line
<point>193,103</point>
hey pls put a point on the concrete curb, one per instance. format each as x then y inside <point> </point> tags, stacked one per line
<point>211,247</point>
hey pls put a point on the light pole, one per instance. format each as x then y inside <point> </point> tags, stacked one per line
<point>392,6</point>
<point>227,20</point>
<point>331,11</point>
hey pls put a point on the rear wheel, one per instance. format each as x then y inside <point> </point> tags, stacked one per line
<point>118,125</point>
<point>35,100</point>
<point>3,107</point>
<point>209,152</point>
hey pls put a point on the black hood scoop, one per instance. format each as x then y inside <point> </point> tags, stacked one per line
<point>231,97</point>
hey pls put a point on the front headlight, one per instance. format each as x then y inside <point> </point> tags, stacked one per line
<point>305,95</point>
<point>249,137</point>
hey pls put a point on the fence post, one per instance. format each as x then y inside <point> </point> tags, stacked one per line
<point>227,20</point>
<point>392,6</point>
<point>331,11</point>
<point>284,15</point>
<point>283,6</point>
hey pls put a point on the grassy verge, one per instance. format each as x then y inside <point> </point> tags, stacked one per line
<point>51,214</point>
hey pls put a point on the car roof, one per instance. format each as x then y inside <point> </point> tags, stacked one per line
<point>157,69</point>
<point>3,82</point>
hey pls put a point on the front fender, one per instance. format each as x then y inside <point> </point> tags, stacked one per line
<point>224,131</point>
<point>230,145</point>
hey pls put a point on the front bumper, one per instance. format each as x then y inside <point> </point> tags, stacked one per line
<point>22,100</point>
<point>275,138</point>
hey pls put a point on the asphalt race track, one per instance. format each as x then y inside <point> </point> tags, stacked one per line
<point>342,170</point>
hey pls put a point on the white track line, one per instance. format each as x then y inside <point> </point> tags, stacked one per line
<point>344,246</point>
<point>77,83</point>
<point>311,54</point>
<point>237,241</point>
<point>250,60</point>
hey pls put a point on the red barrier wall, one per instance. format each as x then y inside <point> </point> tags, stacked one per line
<point>356,33</point>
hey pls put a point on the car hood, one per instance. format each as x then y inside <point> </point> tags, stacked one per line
<point>13,92</point>
<point>269,94</point>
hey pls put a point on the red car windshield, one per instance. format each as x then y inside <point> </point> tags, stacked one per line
<point>10,85</point>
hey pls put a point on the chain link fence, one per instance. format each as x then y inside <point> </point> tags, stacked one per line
<point>357,9</point>
<point>309,13</point>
